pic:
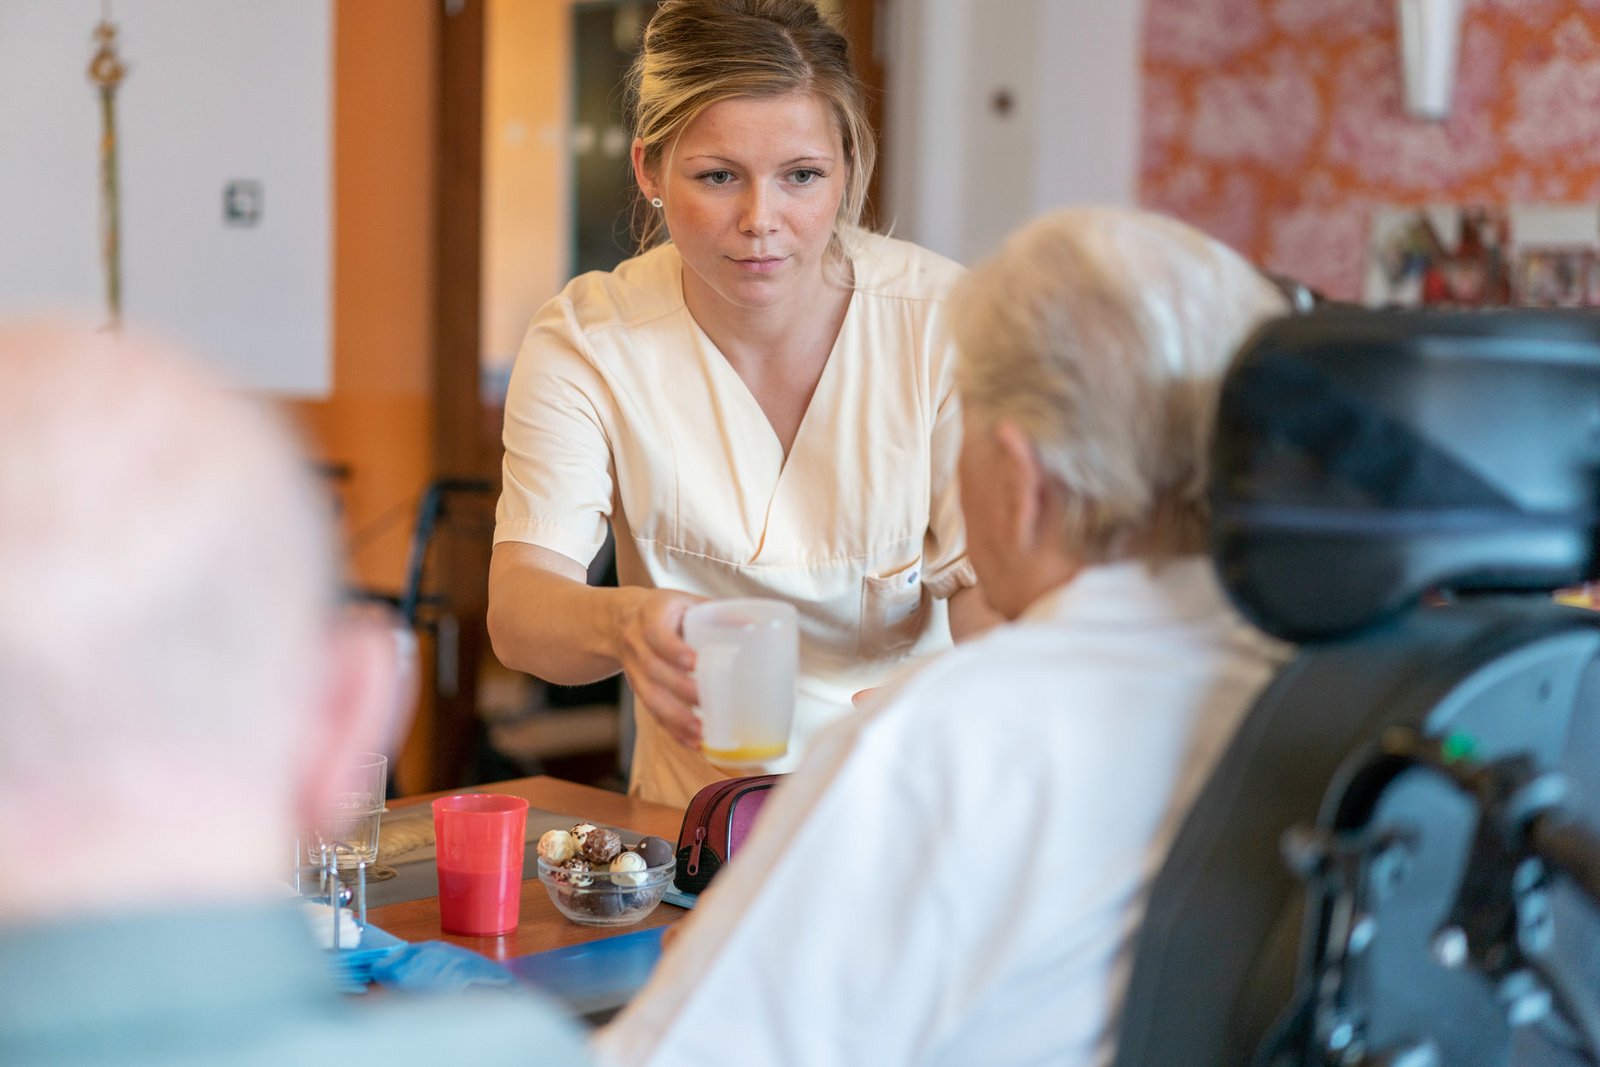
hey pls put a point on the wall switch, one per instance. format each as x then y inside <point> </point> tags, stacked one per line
<point>241,202</point>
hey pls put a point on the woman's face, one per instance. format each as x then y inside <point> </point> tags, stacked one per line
<point>751,191</point>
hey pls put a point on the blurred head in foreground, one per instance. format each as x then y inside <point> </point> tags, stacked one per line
<point>173,683</point>
<point>1093,347</point>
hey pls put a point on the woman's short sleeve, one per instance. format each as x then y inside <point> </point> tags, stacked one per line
<point>557,473</point>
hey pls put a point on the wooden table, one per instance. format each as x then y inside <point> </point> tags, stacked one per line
<point>542,926</point>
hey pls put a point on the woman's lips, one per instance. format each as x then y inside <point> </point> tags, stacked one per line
<point>759,264</point>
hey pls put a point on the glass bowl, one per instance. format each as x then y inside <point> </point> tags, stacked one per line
<point>601,898</point>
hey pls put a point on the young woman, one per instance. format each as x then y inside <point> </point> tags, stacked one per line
<point>760,405</point>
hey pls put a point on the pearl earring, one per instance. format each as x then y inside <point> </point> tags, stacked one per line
<point>655,201</point>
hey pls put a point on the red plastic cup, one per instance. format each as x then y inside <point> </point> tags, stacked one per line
<point>479,844</point>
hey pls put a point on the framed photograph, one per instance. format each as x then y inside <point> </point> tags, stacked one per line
<point>1441,254</point>
<point>1453,255</point>
<point>1554,277</point>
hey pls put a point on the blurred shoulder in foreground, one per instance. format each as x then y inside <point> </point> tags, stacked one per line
<point>177,677</point>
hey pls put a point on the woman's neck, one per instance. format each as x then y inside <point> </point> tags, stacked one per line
<point>801,328</point>
<point>779,352</point>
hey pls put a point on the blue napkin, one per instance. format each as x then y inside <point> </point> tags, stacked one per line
<point>352,965</point>
<point>596,978</point>
<point>438,967</point>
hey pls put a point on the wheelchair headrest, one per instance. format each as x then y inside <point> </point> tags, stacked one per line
<point>1364,458</point>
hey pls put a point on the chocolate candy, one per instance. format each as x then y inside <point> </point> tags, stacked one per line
<point>601,846</point>
<point>602,905</point>
<point>655,850</point>
<point>577,872</point>
<point>557,847</point>
<point>628,869</point>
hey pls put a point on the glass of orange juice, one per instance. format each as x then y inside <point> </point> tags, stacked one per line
<point>746,654</point>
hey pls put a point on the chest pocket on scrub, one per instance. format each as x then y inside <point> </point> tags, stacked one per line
<point>894,608</point>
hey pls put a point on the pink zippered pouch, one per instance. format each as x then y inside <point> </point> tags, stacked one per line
<point>716,822</point>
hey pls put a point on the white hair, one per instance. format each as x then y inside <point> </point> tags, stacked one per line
<point>1103,335</point>
<point>165,578</point>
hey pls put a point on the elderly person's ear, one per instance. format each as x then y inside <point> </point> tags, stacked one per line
<point>368,697</point>
<point>1026,490</point>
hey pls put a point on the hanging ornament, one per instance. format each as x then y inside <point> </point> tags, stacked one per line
<point>106,71</point>
<point>1430,39</point>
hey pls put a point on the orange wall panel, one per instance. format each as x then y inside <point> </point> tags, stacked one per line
<point>377,421</point>
<point>526,167</point>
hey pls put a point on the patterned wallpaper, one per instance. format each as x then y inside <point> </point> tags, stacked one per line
<point>1276,125</point>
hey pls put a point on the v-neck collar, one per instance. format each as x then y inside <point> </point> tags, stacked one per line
<point>748,410</point>
<point>751,407</point>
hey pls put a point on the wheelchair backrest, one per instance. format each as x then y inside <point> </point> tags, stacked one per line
<point>1363,458</point>
<point>1365,462</point>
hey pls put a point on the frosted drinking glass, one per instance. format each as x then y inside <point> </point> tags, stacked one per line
<point>746,654</point>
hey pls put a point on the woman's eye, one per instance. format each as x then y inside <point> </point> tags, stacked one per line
<point>806,176</point>
<point>717,177</point>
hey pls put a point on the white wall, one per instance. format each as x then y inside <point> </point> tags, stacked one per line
<point>217,90</point>
<point>958,174</point>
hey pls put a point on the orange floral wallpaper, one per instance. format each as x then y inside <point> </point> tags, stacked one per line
<point>1277,126</point>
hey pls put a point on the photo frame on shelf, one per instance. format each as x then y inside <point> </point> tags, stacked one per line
<point>1555,276</point>
<point>1484,255</point>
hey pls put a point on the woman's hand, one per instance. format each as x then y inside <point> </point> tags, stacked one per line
<point>658,662</point>
<point>546,620</point>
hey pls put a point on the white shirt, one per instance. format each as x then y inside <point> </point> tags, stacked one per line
<point>621,408</point>
<point>954,876</point>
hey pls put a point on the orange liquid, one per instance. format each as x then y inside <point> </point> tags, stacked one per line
<point>745,753</point>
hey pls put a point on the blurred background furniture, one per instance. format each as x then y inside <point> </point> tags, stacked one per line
<point>484,722</point>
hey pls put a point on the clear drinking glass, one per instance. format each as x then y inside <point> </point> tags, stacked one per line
<point>349,824</point>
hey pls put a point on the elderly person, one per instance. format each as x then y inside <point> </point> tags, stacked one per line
<point>955,875</point>
<point>175,688</point>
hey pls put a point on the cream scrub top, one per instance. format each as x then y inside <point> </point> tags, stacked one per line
<point>621,409</point>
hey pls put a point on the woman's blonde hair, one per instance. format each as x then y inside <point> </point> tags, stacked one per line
<point>1103,335</point>
<point>699,52</point>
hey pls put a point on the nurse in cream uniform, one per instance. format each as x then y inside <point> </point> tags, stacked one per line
<point>761,405</point>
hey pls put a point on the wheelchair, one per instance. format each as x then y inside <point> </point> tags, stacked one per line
<point>1395,861</point>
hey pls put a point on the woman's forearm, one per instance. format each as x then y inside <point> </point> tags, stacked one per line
<point>970,613</point>
<point>546,620</point>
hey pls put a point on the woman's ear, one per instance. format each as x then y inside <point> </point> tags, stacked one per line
<point>645,180</point>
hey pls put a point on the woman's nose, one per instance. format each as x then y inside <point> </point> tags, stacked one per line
<point>756,215</point>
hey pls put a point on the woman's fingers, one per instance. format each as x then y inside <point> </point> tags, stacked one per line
<point>663,630</point>
<point>673,712</point>
<point>678,721</point>
<point>667,678</point>
<point>659,664</point>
